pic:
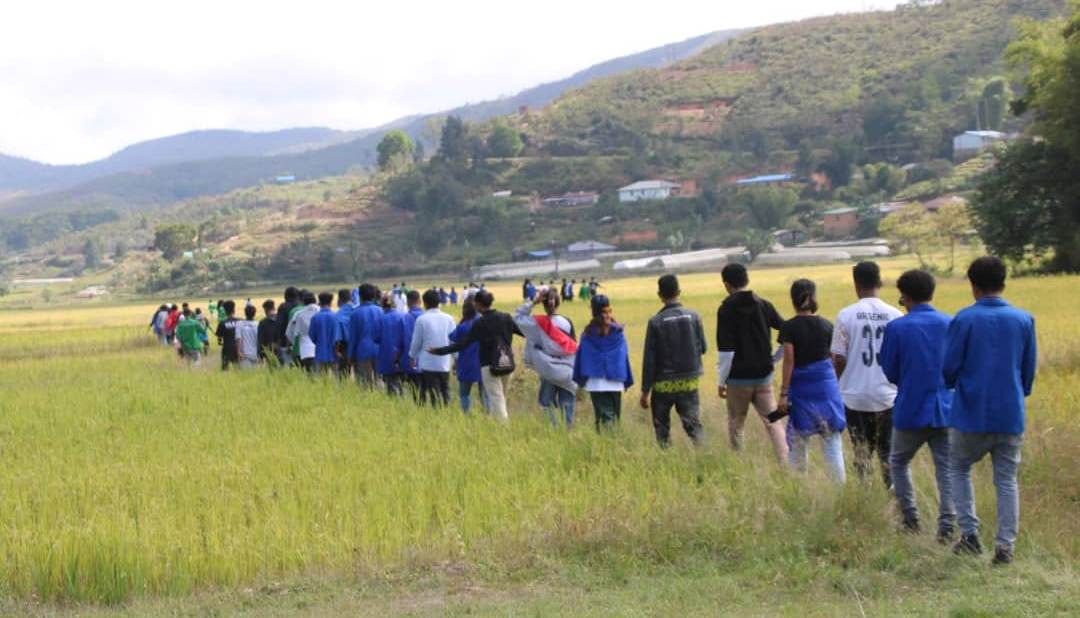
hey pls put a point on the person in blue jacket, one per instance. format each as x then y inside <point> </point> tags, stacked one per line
<point>412,374</point>
<point>602,364</point>
<point>390,341</point>
<point>326,333</point>
<point>990,361</point>
<point>346,306</point>
<point>912,356</point>
<point>365,322</point>
<point>468,360</point>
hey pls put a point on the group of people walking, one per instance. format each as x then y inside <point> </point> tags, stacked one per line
<point>895,382</point>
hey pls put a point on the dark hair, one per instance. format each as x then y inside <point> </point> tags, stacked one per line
<point>552,300</point>
<point>344,295</point>
<point>804,295</point>
<point>368,292</point>
<point>291,293</point>
<point>597,305</point>
<point>669,286</point>
<point>412,297</point>
<point>184,306</point>
<point>431,299</point>
<point>468,309</point>
<point>867,276</point>
<point>230,307</point>
<point>187,312</point>
<point>326,298</point>
<point>484,299</point>
<point>987,274</point>
<point>918,285</point>
<point>268,304</point>
<point>249,311</point>
<point>307,297</point>
<point>735,275</point>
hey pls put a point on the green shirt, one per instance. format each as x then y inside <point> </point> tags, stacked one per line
<point>190,333</point>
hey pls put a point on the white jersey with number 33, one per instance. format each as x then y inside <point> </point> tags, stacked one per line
<point>857,337</point>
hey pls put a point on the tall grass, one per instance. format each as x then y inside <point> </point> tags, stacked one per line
<point>126,474</point>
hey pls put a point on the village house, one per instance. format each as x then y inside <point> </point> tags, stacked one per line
<point>970,143</point>
<point>840,222</point>
<point>648,190</point>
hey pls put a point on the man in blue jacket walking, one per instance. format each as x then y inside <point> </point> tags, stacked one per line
<point>326,333</point>
<point>912,355</point>
<point>365,323</point>
<point>990,360</point>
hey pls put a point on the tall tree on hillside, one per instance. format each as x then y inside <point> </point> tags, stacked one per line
<point>454,143</point>
<point>395,151</point>
<point>1031,199</point>
<point>173,239</point>
<point>837,166</point>
<point>91,253</point>
<point>769,207</point>
<point>504,141</point>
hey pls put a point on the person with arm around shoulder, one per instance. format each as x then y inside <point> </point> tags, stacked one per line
<point>432,329</point>
<point>809,393</point>
<point>912,355</point>
<point>990,362</point>
<point>744,325</point>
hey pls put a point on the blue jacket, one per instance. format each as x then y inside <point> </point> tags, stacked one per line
<point>990,360</point>
<point>410,325</point>
<point>365,322</point>
<point>912,355</point>
<point>468,361</point>
<point>344,313</point>
<point>325,332</point>
<point>391,343</point>
<point>603,357</point>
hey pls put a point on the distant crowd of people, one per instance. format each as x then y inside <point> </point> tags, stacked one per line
<point>894,381</point>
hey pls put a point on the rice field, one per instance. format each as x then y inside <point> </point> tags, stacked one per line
<point>130,484</point>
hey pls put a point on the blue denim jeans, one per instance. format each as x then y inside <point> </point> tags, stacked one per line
<point>465,395</point>
<point>967,449</point>
<point>552,397</point>
<point>831,446</point>
<point>905,444</point>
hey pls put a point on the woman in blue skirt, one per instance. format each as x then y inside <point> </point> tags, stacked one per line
<point>810,393</point>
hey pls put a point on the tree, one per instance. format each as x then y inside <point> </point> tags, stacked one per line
<point>504,142</point>
<point>953,223</point>
<point>758,242</point>
<point>837,165</point>
<point>395,151</point>
<point>1030,200</point>
<point>911,227</point>
<point>91,253</point>
<point>121,249</point>
<point>770,207</point>
<point>454,143</point>
<point>174,239</point>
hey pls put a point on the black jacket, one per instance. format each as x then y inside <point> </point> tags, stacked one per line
<point>492,328</point>
<point>283,322</point>
<point>674,345</point>
<point>269,331</point>
<point>744,324</point>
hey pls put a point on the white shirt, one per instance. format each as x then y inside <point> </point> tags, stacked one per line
<point>247,339</point>
<point>604,385</point>
<point>857,337</point>
<point>300,326</point>
<point>432,330</point>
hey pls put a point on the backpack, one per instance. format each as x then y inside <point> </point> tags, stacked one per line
<point>503,363</point>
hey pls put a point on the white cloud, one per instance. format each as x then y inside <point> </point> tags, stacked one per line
<point>83,79</point>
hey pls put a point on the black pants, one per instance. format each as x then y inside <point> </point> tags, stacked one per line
<point>607,408</point>
<point>870,432</point>
<point>435,388</point>
<point>687,405</point>
<point>365,372</point>
<point>416,384</point>
<point>394,384</point>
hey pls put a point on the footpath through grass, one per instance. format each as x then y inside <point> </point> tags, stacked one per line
<point>130,485</point>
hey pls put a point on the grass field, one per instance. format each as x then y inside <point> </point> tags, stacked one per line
<point>132,486</point>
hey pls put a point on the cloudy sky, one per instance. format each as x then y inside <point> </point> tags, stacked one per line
<point>82,79</point>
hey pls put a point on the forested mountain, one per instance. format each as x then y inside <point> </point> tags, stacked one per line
<point>160,172</point>
<point>18,174</point>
